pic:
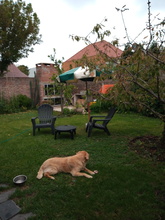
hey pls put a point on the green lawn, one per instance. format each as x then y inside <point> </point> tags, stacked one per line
<point>127,187</point>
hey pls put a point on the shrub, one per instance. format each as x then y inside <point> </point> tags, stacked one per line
<point>15,104</point>
<point>3,105</point>
<point>68,112</point>
<point>96,107</point>
<point>48,101</point>
<point>106,105</point>
<point>101,106</point>
<point>24,102</point>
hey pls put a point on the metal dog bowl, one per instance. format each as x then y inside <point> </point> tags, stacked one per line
<point>18,180</point>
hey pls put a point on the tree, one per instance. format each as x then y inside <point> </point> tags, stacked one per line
<point>63,89</point>
<point>140,74</point>
<point>24,69</point>
<point>140,82</point>
<point>19,32</point>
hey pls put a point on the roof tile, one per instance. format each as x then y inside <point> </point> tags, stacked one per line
<point>13,71</point>
<point>91,50</point>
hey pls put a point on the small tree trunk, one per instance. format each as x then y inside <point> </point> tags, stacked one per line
<point>162,139</point>
<point>62,103</point>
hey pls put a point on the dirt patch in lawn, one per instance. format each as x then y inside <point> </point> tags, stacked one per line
<point>147,146</point>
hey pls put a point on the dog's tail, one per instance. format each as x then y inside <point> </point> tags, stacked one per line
<point>40,174</point>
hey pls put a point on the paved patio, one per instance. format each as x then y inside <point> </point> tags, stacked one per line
<point>58,108</point>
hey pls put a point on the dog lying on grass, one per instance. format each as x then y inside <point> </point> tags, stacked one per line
<point>72,164</point>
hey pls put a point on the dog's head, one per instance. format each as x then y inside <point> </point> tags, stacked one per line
<point>84,154</point>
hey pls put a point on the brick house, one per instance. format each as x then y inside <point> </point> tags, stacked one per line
<point>15,82</point>
<point>44,72</point>
<point>92,52</point>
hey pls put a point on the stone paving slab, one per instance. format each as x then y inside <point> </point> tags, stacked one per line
<point>3,185</point>
<point>22,216</point>
<point>5,195</point>
<point>8,209</point>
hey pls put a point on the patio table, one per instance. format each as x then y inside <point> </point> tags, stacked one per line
<point>65,128</point>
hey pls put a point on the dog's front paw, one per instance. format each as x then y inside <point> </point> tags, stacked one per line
<point>95,171</point>
<point>90,176</point>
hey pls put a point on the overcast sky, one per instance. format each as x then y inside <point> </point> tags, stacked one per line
<point>61,18</point>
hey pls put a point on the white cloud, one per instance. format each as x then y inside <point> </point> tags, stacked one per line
<point>79,4</point>
<point>59,19</point>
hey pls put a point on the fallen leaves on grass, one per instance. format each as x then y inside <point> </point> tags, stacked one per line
<point>147,146</point>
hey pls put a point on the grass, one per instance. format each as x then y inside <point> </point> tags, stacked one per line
<point>127,187</point>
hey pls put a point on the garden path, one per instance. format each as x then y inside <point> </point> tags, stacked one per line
<point>8,208</point>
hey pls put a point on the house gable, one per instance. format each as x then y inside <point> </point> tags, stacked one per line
<point>92,51</point>
<point>13,71</point>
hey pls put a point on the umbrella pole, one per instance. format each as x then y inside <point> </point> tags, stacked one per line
<point>88,104</point>
<point>61,97</point>
<point>88,107</point>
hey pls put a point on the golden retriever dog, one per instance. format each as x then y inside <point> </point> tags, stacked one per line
<point>72,164</point>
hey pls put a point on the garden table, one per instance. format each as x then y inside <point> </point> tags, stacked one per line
<point>65,128</point>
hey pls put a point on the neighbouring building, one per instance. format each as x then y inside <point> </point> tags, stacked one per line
<point>14,82</point>
<point>39,86</point>
<point>94,52</point>
<point>44,73</point>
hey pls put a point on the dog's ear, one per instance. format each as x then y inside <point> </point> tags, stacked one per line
<point>86,156</point>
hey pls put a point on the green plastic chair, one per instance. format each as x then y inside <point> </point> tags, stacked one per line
<point>45,118</point>
<point>100,122</point>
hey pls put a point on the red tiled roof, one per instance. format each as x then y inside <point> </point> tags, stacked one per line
<point>90,50</point>
<point>13,71</point>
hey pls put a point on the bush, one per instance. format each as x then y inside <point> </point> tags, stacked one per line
<point>3,105</point>
<point>128,106</point>
<point>24,102</point>
<point>48,101</point>
<point>106,105</point>
<point>96,107</point>
<point>15,104</point>
<point>68,112</point>
<point>101,106</point>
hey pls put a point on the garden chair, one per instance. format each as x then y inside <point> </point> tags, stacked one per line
<point>103,122</point>
<point>45,118</point>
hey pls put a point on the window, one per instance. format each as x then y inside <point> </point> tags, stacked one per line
<point>49,90</point>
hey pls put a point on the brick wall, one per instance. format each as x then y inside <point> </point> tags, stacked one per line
<point>10,86</point>
<point>44,72</point>
<point>91,85</point>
